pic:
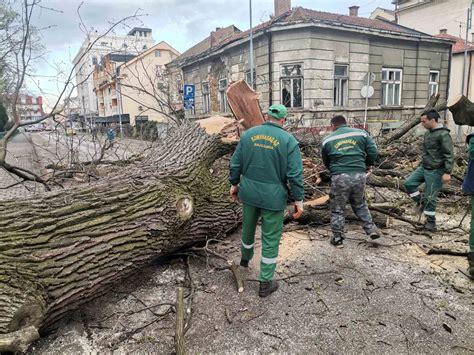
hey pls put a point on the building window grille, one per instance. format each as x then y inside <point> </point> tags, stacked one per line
<point>206,98</point>
<point>391,87</point>
<point>223,95</point>
<point>341,83</point>
<point>434,83</point>
<point>291,83</point>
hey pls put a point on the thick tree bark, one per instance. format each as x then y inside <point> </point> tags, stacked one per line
<point>63,249</point>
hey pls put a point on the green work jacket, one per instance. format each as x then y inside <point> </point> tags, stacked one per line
<point>266,163</point>
<point>438,149</point>
<point>348,150</point>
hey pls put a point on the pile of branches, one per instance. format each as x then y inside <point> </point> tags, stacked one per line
<point>400,152</point>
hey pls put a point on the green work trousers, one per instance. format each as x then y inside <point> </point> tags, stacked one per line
<point>433,184</point>
<point>272,226</point>
<point>471,236</point>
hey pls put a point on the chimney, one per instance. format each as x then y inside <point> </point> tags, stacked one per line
<point>354,11</point>
<point>443,31</point>
<point>215,37</point>
<point>282,6</point>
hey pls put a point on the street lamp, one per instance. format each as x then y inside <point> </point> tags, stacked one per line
<point>251,45</point>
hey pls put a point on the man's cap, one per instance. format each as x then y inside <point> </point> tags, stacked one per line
<point>277,111</point>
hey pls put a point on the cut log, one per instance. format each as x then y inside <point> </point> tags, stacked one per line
<point>65,248</point>
<point>462,110</point>
<point>243,101</point>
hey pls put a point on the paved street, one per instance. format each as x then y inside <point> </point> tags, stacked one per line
<point>21,153</point>
<point>34,151</point>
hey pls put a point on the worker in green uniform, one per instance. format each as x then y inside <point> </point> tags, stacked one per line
<point>468,187</point>
<point>348,153</point>
<point>434,169</point>
<point>266,162</point>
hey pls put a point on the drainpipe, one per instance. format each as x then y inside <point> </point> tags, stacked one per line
<point>469,74</point>
<point>416,70</point>
<point>270,70</point>
<point>449,80</point>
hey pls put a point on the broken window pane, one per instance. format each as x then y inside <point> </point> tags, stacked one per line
<point>297,93</point>
<point>286,92</point>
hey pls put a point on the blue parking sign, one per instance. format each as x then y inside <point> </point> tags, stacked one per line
<point>188,97</point>
<point>189,91</point>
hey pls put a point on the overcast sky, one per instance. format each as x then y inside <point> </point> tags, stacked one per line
<point>181,23</point>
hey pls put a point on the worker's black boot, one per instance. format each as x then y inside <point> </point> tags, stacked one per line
<point>374,234</point>
<point>430,225</point>
<point>337,239</point>
<point>470,259</point>
<point>267,288</point>
<point>244,263</point>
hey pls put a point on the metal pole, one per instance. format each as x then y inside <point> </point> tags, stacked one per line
<point>119,105</point>
<point>468,26</point>
<point>251,46</point>
<point>366,100</point>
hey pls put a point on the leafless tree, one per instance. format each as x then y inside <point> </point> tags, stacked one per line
<point>19,51</point>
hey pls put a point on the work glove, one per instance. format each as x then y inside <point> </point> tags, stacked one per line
<point>298,209</point>
<point>446,178</point>
<point>234,190</point>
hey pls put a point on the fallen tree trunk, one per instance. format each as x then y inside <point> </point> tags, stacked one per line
<point>63,249</point>
<point>412,122</point>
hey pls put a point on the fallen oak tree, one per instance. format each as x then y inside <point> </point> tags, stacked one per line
<point>62,249</point>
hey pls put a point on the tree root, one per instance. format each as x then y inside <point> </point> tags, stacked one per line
<point>18,341</point>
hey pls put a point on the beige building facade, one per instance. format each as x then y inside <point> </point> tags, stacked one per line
<point>94,48</point>
<point>430,16</point>
<point>134,89</point>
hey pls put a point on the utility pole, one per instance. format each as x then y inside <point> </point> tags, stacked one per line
<point>463,82</point>
<point>251,46</point>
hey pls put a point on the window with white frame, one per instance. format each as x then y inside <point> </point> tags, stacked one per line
<point>391,87</point>
<point>291,84</point>
<point>248,79</point>
<point>434,82</point>
<point>341,80</point>
<point>222,95</point>
<point>206,98</point>
<point>157,53</point>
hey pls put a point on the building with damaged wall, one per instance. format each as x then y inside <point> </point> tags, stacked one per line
<point>315,63</point>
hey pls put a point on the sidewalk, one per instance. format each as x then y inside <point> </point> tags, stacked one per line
<point>21,153</point>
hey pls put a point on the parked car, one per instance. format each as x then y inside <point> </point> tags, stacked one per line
<point>70,131</point>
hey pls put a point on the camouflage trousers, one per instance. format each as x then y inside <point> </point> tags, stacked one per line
<point>349,188</point>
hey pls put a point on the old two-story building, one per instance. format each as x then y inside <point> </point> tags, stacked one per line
<point>133,89</point>
<point>316,63</point>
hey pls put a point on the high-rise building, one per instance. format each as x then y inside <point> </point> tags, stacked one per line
<point>94,48</point>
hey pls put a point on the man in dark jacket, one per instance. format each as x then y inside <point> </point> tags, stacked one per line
<point>348,153</point>
<point>265,161</point>
<point>468,187</point>
<point>434,170</point>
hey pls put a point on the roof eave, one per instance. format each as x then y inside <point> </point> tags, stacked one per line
<point>303,24</point>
